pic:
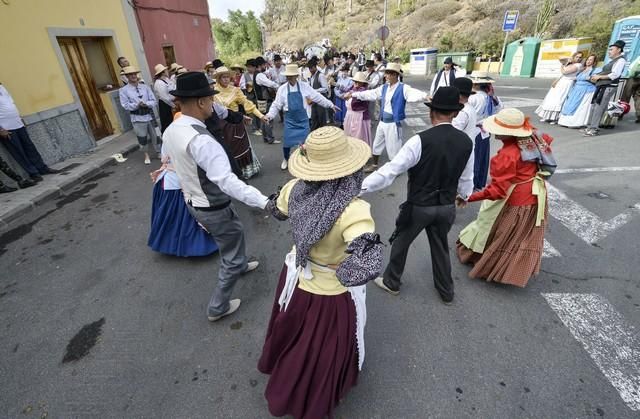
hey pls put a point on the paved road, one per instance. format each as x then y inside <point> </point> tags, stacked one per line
<point>565,346</point>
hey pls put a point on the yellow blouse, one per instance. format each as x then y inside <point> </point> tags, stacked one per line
<point>330,250</point>
<point>232,97</point>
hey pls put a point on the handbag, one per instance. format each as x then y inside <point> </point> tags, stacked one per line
<point>364,262</point>
<point>262,105</point>
<point>536,149</point>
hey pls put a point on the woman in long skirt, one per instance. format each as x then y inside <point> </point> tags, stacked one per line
<point>173,230</point>
<point>549,110</point>
<point>575,111</point>
<point>235,135</point>
<point>343,85</point>
<point>504,244</point>
<point>357,123</point>
<point>314,346</point>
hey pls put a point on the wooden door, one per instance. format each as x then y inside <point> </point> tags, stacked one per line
<point>169,55</point>
<point>78,67</point>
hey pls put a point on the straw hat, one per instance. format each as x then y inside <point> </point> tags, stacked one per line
<point>360,77</point>
<point>291,70</point>
<point>208,65</point>
<point>508,121</point>
<point>130,70</point>
<point>221,71</point>
<point>174,67</point>
<point>394,67</point>
<point>181,70</point>
<point>328,154</point>
<point>237,67</point>
<point>159,68</point>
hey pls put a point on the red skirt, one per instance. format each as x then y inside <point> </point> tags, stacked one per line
<point>311,353</point>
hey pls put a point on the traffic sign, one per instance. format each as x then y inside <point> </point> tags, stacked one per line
<point>510,20</point>
<point>382,32</point>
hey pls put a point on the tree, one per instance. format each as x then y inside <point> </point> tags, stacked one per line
<point>240,34</point>
<point>544,17</point>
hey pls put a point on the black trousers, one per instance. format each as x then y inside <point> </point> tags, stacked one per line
<point>436,221</point>
<point>22,149</point>
<point>318,117</point>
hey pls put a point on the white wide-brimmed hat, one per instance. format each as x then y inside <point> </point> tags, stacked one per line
<point>394,67</point>
<point>360,77</point>
<point>174,67</point>
<point>510,121</point>
<point>291,70</point>
<point>328,153</point>
<point>159,68</point>
<point>130,70</point>
<point>221,71</point>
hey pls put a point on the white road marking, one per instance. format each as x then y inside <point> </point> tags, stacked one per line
<point>599,169</point>
<point>518,102</point>
<point>548,251</point>
<point>582,222</point>
<point>609,340</point>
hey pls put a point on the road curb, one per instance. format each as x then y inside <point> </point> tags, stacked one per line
<point>61,188</point>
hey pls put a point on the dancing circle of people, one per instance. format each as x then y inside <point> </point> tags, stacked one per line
<point>314,346</point>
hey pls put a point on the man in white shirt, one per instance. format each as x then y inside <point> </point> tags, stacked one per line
<point>318,82</point>
<point>15,138</point>
<point>139,100</point>
<point>208,184</point>
<point>393,97</point>
<point>162,86</point>
<point>263,88</point>
<point>295,99</point>
<point>438,180</point>
<point>466,119</point>
<point>607,85</point>
<point>446,75</point>
<point>276,73</point>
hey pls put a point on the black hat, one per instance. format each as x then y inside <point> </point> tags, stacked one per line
<point>259,61</point>
<point>250,62</point>
<point>192,84</point>
<point>277,58</point>
<point>217,63</point>
<point>313,62</point>
<point>464,85</point>
<point>446,99</point>
<point>448,60</point>
<point>369,63</point>
<point>619,43</point>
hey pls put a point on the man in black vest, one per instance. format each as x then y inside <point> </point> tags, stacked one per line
<point>319,83</point>
<point>265,93</point>
<point>440,176</point>
<point>445,76</point>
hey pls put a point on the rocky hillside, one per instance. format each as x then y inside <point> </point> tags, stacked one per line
<point>449,25</point>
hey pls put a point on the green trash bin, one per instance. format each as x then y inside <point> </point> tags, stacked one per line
<point>521,57</point>
<point>463,59</point>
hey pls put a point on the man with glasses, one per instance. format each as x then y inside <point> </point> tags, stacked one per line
<point>138,99</point>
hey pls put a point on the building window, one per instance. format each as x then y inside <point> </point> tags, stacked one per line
<point>169,55</point>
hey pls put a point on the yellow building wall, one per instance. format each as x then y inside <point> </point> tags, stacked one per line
<point>31,70</point>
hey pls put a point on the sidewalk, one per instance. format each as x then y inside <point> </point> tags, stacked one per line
<point>75,170</point>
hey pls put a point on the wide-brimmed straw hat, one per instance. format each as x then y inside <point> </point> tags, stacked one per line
<point>394,67</point>
<point>221,71</point>
<point>237,67</point>
<point>360,77</point>
<point>174,67</point>
<point>508,121</point>
<point>159,68</point>
<point>130,70</point>
<point>328,153</point>
<point>291,70</point>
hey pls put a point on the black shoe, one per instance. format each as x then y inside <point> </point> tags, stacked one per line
<point>36,178</point>
<point>7,189</point>
<point>638,121</point>
<point>26,183</point>
<point>50,171</point>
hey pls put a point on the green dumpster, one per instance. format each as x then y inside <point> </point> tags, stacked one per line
<point>463,59</point>
<point>521,57</point>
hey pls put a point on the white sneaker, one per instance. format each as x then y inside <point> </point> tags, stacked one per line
<point>257,132</point>
<point>275,142</point>
<point>234,305</point>
<point>147,160</point>
<point>284,165</point>
<point>252,266</point>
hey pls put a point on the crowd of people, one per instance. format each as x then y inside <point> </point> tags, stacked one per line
<point>314,345</point>
<point>583,97</point>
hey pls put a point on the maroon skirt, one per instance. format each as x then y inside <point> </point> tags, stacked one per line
<point>311,353</point>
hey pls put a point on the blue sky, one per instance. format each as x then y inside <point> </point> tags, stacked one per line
<point>219,8</point>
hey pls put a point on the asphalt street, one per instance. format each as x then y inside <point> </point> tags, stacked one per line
<point>497,352</point>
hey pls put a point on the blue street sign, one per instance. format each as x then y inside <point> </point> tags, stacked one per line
<point>510,20</point>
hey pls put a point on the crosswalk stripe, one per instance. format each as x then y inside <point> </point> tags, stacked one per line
<point>609,340</point>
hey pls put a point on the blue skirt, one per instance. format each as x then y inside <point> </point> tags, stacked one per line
<point>173,230</point>
<point>339,115</point>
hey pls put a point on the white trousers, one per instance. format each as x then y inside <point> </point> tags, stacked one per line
<point>389,134</point>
